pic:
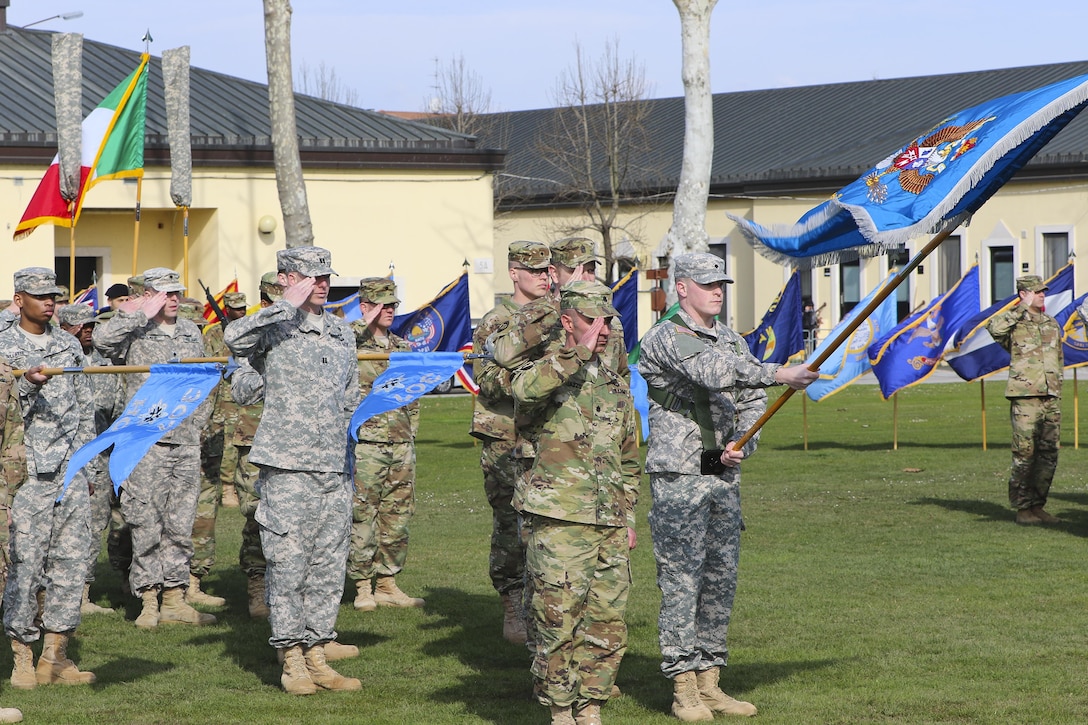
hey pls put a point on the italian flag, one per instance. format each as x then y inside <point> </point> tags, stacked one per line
<point>113,148</point>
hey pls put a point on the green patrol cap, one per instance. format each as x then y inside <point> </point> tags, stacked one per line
<point>235,300</point>
<point>136,284</point>
<point>1031,283</point>
<point>270,286</point>
<point>380,290</point>
<point>572,251</point>
<point>592,299</point>
<point>530,255</point>
<point>193,311</point>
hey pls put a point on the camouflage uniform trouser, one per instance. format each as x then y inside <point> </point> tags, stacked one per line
<point>506,564</point>
<point>119,538</point>
<point>159,504</point>
<point>581,577</point>
<point>385,500</point>
<point>99,517</point>
<point>246,474</point>
<point>305,520</point>
<point>207,504</point>
<point>1036,433</point>
<point>695,522</point>
<point>48,550</point>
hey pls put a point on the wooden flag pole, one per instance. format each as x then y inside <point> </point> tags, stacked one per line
<point>804,420</point>
<point>848,332</point>
<point>185,242</point>
<point>895,421</point>
<point>1076,412</point>
<point>136,228</point>
<point>982,391</point>
<point>72,251</point>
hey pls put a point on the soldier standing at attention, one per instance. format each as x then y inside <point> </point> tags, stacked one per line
<point>579,503</point>
<point>493,424</point>
<point>49,540</point>
<point>1034,341</point>
<point>385,463</point>
<point>705,387</point>
<point>12,475</point>
<point>109,403</point>
<point>158,499</point>
<point>311,387</point>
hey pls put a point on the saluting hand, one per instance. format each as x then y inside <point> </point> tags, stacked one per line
<point>298,293</point>
<point>153,303</point>
<point>371,310</point>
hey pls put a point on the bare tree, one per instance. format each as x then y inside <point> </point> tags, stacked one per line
<point>688,231</point>
<point>322,82</point>
<point>460,101</point>
<point>594,142</point>
<point>281,112</point>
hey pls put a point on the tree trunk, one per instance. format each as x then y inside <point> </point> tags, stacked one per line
<point>688,231</point>
<point>281,112</point>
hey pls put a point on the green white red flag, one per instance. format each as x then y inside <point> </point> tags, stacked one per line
<point>113,148</point>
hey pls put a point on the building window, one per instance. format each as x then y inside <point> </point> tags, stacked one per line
<point>897,259</point>
<point>949,269</point>
<point>1055,252</point>
<point>849,286</point>
<point>1002,274</point>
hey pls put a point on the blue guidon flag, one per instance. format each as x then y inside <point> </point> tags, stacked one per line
<point>780,334</point>
<point>934,182</point>
<point>410,376</point>
<point>442,325</point>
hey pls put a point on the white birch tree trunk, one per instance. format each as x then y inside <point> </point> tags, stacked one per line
<point>281,112</point>
<point>688,231</point>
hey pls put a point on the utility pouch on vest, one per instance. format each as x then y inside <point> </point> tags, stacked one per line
<point>710,462</point>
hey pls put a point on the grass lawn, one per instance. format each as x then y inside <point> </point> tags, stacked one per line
<point>869,593</point>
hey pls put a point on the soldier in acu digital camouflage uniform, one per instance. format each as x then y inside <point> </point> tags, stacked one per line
<point>159,498</point>
<point>1034,341</point>
<point>12,475</point>
<point>49,540</point>
<point>109,402</point>
<point>705,391</point>
<point>493,423</point>
<point>579,505</point>
<point>385,463</point>
<point>311,389</point>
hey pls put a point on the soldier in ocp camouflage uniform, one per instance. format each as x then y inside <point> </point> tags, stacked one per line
<point>699,369</point>
<point>311,388</point>
<point>159,497</point>
<point>579,503</point>
<point>12,475</point>
<point>385,463</point>
<point>493,423</point>
<point>109,402</point>
<point>49,540</point>
<point>1034,341</point>
<point>234,306</point>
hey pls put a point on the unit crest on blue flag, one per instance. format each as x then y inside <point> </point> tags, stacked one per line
<point>410,375</point>
<point>442,325</point>
<point>1074,334</point>
<point>780,334</point>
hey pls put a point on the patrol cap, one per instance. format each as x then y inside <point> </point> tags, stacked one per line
<point>193,311</point>
<point>103,316</point>
<point>163,279</point>
<point>1031,283</point>
<point>235,300</point>
<point>64,295</point>
<point>572,251</point>
<point>75,315</point>
<point>117,290</point>
<point>701,267</point>
<point>307,261</point>
<point>592,299</point>
<point>270,286</point>
<point>531,255</point>
<point>380,290</point>
<point>136,284</point>
<point>37,281</point>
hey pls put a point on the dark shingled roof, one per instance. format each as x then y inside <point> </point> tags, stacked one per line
<point>805,139</point>
<point>228,115</point>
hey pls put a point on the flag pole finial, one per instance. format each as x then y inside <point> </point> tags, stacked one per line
<point>148,40</point>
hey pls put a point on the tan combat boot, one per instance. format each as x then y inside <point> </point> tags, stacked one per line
<point>561,715</point>
<point>1027,517</point>
<point>89,607</point>
<point>589,714</point>
<point>1045,516</point>
<point>22,674</point>
<point>258,608</point>
<point>718,701</point>
<point>149,616</point>
<point>193,595</point>
<point>295,679</point>
<point>513,624</point>
<point>388,594</point>
<point>54,667</point>
<point>364,598</point>
<point>324,676</point>
<point>230,496</point>
<point>11,714</point>
<point>174,610</point>
<point>686,703</point>
<point>335,651</point>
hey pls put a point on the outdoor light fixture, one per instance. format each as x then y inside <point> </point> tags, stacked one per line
<point>266,224</point>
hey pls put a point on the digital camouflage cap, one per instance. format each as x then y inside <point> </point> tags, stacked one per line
<point>37,281</point>
<point>701,267</point>
<point>530,255</point>
<point>163,279</point>
<point>379,290</point>
<point>307,261</point>
<point>592,299</point>
<point>71,315</point>
<point>1031,283</point>
<point>572,251</point>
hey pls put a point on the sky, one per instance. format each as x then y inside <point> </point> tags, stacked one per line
<point>387,52</point>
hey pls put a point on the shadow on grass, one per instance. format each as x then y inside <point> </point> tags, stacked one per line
<point>436,443</point>
<point>880,446</point>
<point>127,670</point>
<point>1074,522</point>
